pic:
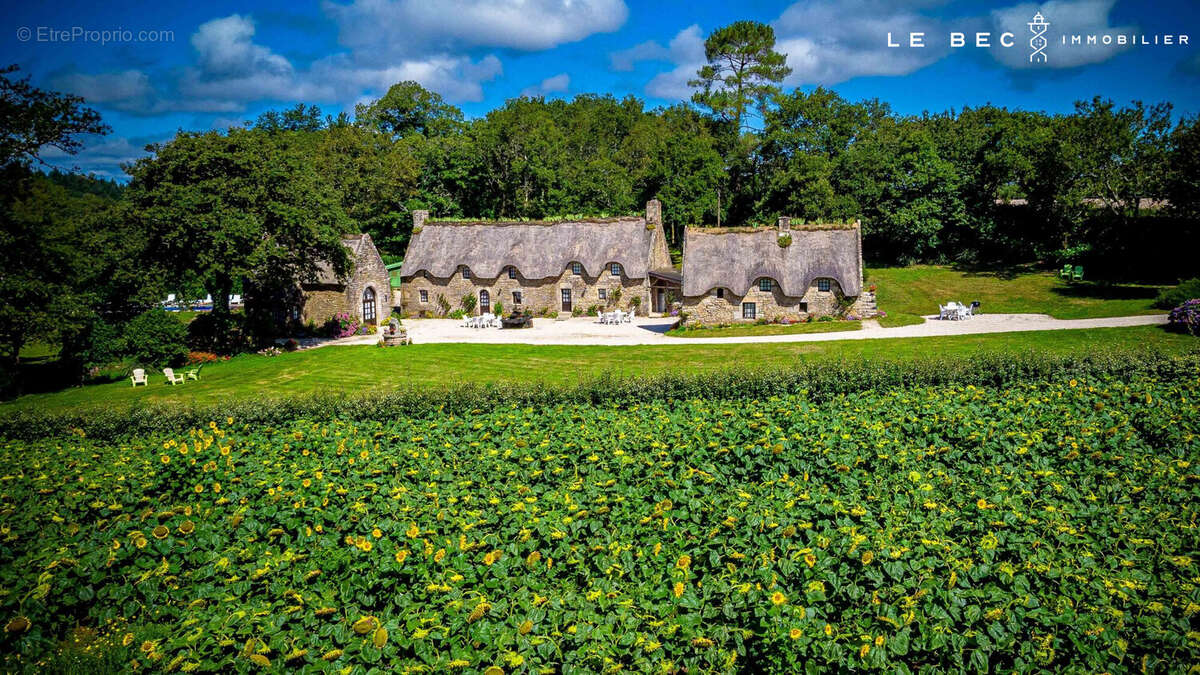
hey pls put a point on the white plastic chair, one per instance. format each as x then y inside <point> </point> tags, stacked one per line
<point>628,317</point>
<point>172,377</point>
<point>139,377</point>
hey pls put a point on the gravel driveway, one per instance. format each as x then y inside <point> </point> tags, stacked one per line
<point>649,331</point>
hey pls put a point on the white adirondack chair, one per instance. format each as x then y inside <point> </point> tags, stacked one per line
<point>172,377</point>
<point>139,377</point>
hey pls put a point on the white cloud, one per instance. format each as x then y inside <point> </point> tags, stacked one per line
<point>390,28</point>
<point>101,155</point>
<point>226,50</point>
<point>827,42</point>
<point>550,85</point>
<point>126,90</point>
<point>1066,17</point>
<point>686,51</point>
<point>650,50</point>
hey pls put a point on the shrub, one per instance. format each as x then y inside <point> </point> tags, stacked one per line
<point>468,303</point>
<point>592,311</point>
<point>456,314</point>
<point>1170,298</point>
<point>498,309</point>
<point>156,338</point>
<point>209,333</point>
<point>194,358</point>
<point>1186,317</point>
<point>291,345</point>
<point>825,318</point>
<point>342,325</point>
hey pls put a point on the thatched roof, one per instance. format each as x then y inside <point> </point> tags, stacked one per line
<point>537,250</point>
<point>718,258</point>
<point>356,243</point>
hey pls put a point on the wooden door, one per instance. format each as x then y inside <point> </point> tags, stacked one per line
<point>566,300</point>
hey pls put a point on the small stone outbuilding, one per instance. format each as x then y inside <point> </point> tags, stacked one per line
<point>365,295</point>
<point>733,275</point>
<point>566,267</point>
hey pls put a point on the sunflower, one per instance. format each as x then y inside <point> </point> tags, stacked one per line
<point>187,527</point>
<point>678,590</point>
<point>160,532</point>
<point>810,559</point>
<point>199,488</point>
<point>492,556</point>
<point>525,627</point>
<point>377,533</point>
<point>795,633</point>
<point>413,531</point>
<point>494,670</point>
<point>778,598</point>
<point>862,653</point>
<point>684,561</point>
<point>165,459</point>
<point>332,655</point>
<point>441,553</point>
<point>127,640</point>
<point>148,646</point>
<point>867,557</point>
<point>401,555</point>
<point>19,624</point>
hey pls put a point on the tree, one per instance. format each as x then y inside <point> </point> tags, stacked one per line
<point>409,108</point>
<point>36,260</point>
<point>299,118</point>
<point>246,206</point>
<point>743,69</point>
<point>1183,180</point>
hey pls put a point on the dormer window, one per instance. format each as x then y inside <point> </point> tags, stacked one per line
<point>615,269</point>
<point>765,285</point>
<point>823,285</point>
<point>466,272</point>
<point>512,272</point>
<point>576,269</point>
<point>720,293</point>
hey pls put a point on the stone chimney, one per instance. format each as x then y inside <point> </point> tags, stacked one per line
<point>785,224</point>
<point>654,212</point>
<point>419,218</point>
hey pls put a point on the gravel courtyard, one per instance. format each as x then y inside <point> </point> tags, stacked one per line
<point>651,331</point>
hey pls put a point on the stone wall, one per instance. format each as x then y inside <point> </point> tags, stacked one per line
<point>770,305</point>
<point>538,295</point>
<point>319,303</point>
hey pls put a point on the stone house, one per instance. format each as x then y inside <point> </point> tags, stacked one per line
<point>564,267</point>
<point>366,294</point>
<point>735,275</point>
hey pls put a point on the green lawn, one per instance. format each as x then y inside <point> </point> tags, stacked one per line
<point>920,289</point>
<point>365,368</point>
<point>742,330</point>
<point>897,319</point>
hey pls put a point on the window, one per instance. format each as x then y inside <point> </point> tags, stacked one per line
<point>466,272</point>
<point>512,272</point>
<point>424,296</point>
<point>823,285</point>
<point>720,293</point>
<point>764,284</point>
<point>566,299</point>
<point>576,269</point>
<point>615,269</point>
<point>516,297</point>
<point>485,302</point>
<point>604,294</point>
<point>368,310</point>
<point>749,311</point>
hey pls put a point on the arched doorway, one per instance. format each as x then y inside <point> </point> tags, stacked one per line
<point>368,308</point>
<point>485,302</point>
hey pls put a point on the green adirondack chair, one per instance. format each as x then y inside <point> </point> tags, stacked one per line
<point>1077,273</point>
<point>1065,272</point>
<point>194,373</point>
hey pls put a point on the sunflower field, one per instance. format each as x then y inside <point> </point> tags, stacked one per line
<point>1049,525</point>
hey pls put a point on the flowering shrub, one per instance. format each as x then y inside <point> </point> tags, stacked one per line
<point>1186,316</point>
<point>342,325</point>
<point>194,358</point>
<point>764,530</point>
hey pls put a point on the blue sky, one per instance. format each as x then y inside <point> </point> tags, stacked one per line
<point>215,64</point>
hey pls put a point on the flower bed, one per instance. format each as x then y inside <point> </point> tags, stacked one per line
<point>1042,525</point>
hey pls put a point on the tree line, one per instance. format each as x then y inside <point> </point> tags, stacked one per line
<point>257,206</point>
